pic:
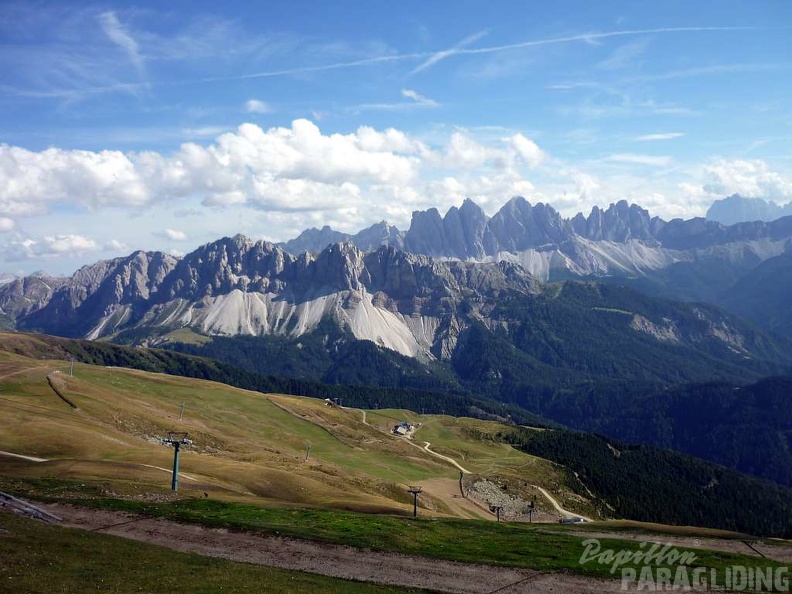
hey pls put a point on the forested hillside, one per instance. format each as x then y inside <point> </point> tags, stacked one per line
<point>654,485</point>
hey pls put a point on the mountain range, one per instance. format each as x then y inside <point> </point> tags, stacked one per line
<point>426,305</point>
<point>404,290</point>
<point>696,259</point>
<point>525,308</point>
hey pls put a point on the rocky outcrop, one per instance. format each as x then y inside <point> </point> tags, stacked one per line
<point>20,297</point>
<point>621,222</point>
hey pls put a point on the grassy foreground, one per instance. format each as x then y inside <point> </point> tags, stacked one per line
<point>38,558</point>
<point>529,546</point>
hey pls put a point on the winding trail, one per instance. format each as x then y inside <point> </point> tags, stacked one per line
<point>564,512</point>
<point>446,458</point>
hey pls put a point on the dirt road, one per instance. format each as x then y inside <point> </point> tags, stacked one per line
<point>446,458</point>
<point>331,560</point>
<point>564,512</point>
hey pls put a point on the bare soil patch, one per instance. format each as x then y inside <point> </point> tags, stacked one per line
<point>447,490</point>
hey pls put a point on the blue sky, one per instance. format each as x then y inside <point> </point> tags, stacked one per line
<point>144,125</point>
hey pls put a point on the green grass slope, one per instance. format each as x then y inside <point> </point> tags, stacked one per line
<point>248,446</point>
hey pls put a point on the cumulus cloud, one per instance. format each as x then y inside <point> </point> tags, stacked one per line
<point>280,168</point>
<point>6,224</point>
<point>257,106</point>
<point>749,178</point>
<point>115,246</point>
<point>248,165</point>
<point>463,151</point>
<point>58,244</point>
<point>172,235</point>
<point>50,246</point>
<point>528,150</point>
<point>29,181</point>
<point>297,170</point>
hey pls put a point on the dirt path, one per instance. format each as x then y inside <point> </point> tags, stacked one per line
<point>28,458</point>
<point>331,560</point>
<point>446,458</point>
<point>564,512</point>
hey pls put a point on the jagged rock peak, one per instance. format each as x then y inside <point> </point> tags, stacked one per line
<point>739,209</point>
<point>340,267</point>
<point>314,240</point>
<point>518,226</point>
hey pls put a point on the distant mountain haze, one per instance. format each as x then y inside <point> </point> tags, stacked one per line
<point>736,209</point>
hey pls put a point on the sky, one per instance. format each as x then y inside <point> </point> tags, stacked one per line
<point>163,126</point>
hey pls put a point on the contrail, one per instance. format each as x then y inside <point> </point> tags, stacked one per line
<point>430,58</point>
<point>607,34</point>
<point>442,55</point>
<point>460,49</point>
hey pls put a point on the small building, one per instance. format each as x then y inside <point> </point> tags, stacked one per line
<point>402,428</point>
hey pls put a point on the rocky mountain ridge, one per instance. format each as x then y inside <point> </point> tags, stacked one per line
<point>623,239</point>
<point>738,209</point>
<point>238,286</point>
<point>419,304</point>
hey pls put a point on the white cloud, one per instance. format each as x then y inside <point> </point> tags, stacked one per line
<point>115,246</point>
<point>297,174</point>
<point>633,159</point>
<point>463,151</point>
<point>659,136</point>
<point>749,178</point>
<point>241,166</point>
<point>172,235</point>
<point>418,98</point>
<point>50,246</point>
<point>257,106</point>
<point>528,150</point>
<point>29,181</point>
<point>6,224</point>
<point>61,244</point>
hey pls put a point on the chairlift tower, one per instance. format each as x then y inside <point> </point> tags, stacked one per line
<point>176,439</point>
<point>415,491</point>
